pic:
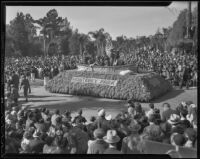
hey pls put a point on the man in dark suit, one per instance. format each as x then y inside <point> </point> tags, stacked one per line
<point>80,117</point>
<point>167,112</point>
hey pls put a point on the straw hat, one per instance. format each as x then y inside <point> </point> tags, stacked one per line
<point>174,119</point>
<point>111,137</point>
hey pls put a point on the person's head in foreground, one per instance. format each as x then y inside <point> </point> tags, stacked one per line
<point>111,138</point>
<point>99,133</point>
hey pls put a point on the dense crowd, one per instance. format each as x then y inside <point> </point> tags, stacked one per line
<point>43,131</point>
<point>39,67</point>
<point>51,132</point>
<point>180,70</point>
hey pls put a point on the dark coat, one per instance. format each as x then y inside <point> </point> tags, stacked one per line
<point>101,122</point>
<point>81,118</point>
<point>112,151</point>
<point>41,127</point>
<point>97,147</point>
<point>36,145</point>
<point>15,80</point>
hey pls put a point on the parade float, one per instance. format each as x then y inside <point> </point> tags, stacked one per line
<point>115,82</point>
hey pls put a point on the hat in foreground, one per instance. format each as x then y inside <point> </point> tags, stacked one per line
<point>99,133</point>
<point>174,119</point>
<point>111,137</point>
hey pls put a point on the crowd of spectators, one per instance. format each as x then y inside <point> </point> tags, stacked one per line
<point>39,67</point>
<point>177,68</point>
<point>43,131</point>
<point>40,130</point>
<point>180,70</point>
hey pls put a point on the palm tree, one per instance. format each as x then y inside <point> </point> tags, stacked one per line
<point>51,25</point>
<point>100,40</point>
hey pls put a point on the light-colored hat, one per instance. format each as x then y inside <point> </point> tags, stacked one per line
<point>101,112</point>
<point>130,110</point>
<point>193,106</point>
<point>109,117</point>
<point>183,103</point>
<point>37,134</point>
<point>13,112</point>
<point>111,137</point>
<point>174,119</point>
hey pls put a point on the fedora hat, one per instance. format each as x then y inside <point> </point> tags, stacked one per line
<point>174,119</point>
<point>99,133</point>
<point>111,137</point>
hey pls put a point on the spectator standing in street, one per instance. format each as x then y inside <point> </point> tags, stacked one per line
<point>26,87</point>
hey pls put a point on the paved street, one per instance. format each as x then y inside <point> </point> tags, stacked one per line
<point>39,97</point>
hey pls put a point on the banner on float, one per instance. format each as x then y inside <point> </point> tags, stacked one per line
<point>96,81</point>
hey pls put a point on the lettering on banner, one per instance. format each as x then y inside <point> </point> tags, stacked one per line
<point>94,81</point>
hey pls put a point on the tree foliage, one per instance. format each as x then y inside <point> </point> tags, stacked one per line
<point>20,35</point>
<point>59,37</point>
<point>179,29</point>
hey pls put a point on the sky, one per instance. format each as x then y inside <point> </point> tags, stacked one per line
<point>128,21</point>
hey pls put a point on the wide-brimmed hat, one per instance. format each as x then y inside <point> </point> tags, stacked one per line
<point>99,133</point>
<point>111,137</point>
<point>174,119</point>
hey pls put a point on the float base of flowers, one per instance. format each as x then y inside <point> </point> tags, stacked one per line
<point>140,87</point>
